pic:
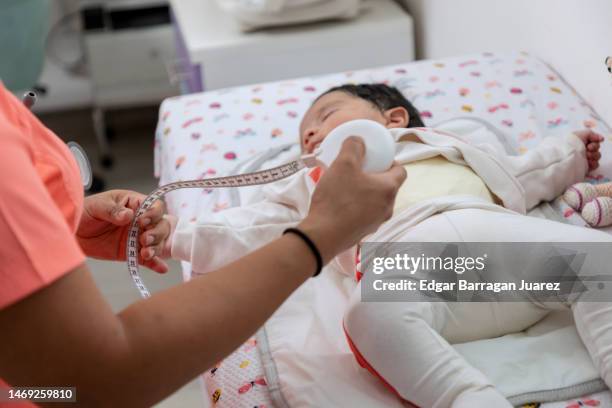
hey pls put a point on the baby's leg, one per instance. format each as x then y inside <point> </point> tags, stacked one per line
<point>593,309</point>
<point>400,342</point>
<point>594,324</point>
<point>406,344</point>
<point>593,319</point>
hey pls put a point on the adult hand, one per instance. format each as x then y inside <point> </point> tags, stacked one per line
<point>591,142</point>
<point>105,224</point>
<point>348,204</point>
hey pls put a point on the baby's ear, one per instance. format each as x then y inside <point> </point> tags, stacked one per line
<point>397,117</point>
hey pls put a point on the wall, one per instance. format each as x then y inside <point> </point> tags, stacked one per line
<point>574,36</point>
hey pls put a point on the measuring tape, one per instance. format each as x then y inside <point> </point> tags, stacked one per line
<point>242,180</point>
<point>379,153</point>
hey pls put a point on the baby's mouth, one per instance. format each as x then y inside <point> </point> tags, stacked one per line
<point>312,148</point>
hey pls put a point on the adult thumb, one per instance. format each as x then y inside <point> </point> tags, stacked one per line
<point>121,215</point>
<point>353,150</point>
<point>112,212</point>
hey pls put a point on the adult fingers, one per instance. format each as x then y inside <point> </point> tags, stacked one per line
<point>155,234</point>
<point>107,207</point>
<point>133,200</point>
<point>153,215</point>
<point>397,174</point>
<point>150,252</point>
<point>352,152</point>
<point>152,241</point>
<point>156,264</point>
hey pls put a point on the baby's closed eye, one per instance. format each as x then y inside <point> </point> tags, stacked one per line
<point>329,113</point>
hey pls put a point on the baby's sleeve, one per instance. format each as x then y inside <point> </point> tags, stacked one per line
<point>546,171</point>
<point>216,239</point>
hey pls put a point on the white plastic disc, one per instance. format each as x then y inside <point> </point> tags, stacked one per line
<point>380,146</point>
<point>84,167</point>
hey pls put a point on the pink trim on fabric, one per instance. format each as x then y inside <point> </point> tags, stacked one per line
<point>600,213</point>
<point>364,363</point>
<point>579,196</point>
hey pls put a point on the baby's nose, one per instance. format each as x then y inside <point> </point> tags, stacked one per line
<point>310,138</point>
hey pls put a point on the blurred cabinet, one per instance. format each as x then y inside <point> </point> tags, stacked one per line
<point>214,53</point>
<point>129,46</point>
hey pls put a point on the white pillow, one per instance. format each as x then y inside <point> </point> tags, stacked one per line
<point>254,14</point>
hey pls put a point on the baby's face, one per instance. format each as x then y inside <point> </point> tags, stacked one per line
<point>330,111</point>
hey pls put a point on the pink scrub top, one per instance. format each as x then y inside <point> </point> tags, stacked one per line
<point>41,199</point>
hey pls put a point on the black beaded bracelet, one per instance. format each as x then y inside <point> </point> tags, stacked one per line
<point>311,245</point>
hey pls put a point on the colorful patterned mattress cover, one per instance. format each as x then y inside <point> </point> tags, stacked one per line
<point>207,134</point>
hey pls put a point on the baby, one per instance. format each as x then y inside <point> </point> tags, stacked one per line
<point>450,185</point>
<point>377,102</point>
<point>427,178</point>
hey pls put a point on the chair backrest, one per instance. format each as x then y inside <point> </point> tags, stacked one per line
<point>23,29</point>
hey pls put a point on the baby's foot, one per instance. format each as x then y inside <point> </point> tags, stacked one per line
<point>598,212</point>
<point>579,194</point>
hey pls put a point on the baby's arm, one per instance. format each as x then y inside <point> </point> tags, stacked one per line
<point>216,239</point>
<point>546,171</point>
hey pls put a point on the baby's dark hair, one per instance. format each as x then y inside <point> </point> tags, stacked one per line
<point>383,97</point>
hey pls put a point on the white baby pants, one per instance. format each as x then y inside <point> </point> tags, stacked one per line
<point>407,344</point>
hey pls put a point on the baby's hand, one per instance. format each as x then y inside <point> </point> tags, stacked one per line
<point>155,243</point>
<point>591,143</point>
